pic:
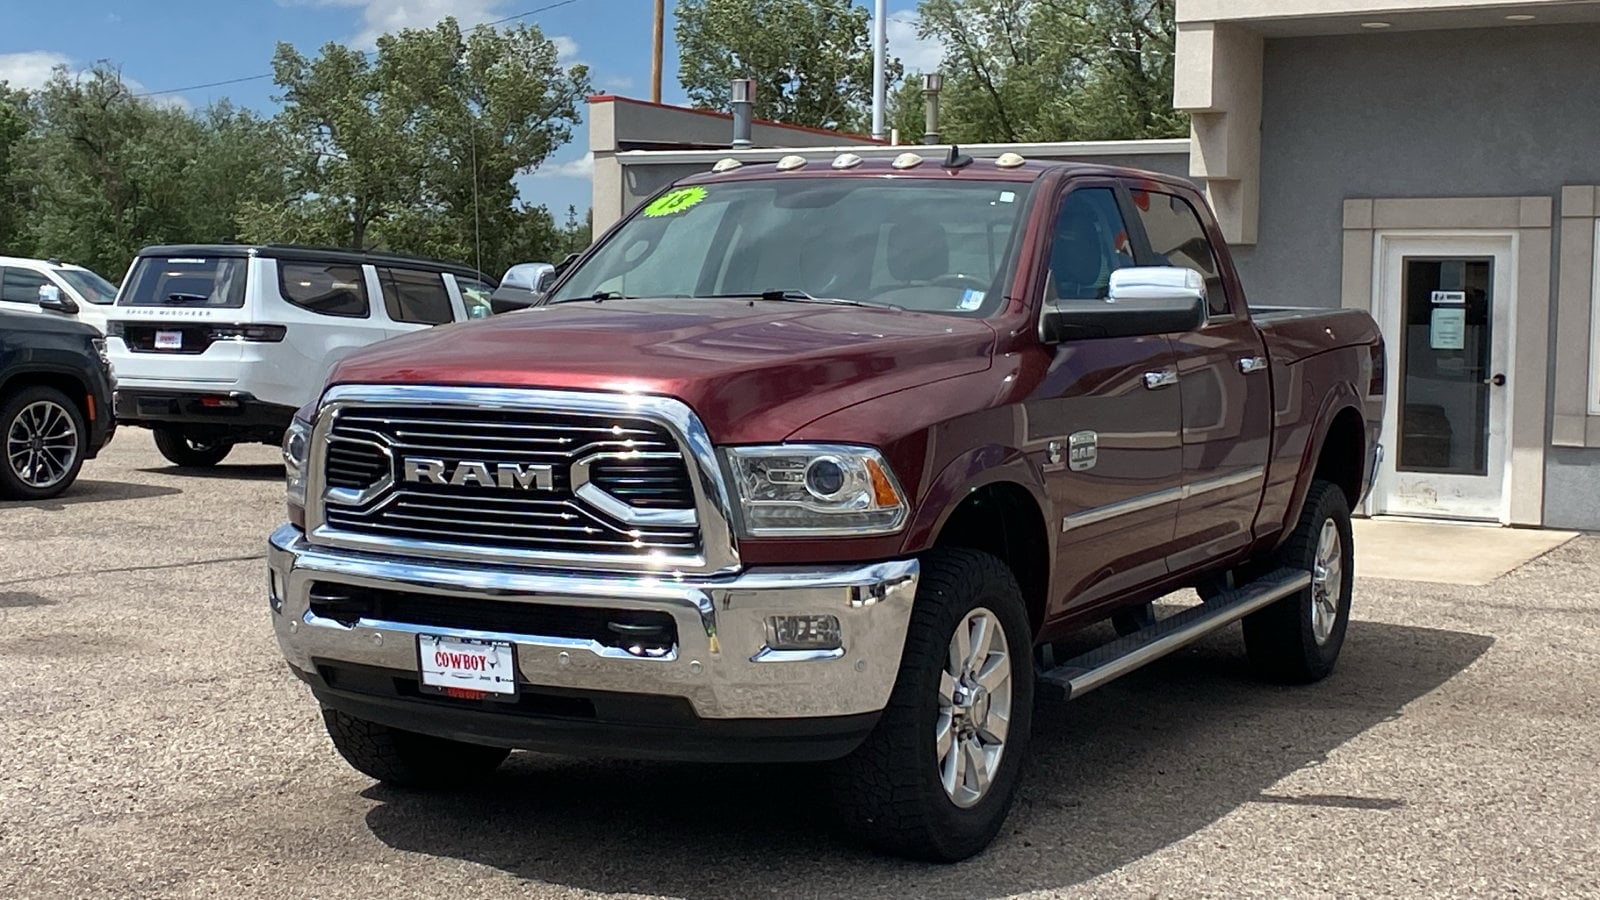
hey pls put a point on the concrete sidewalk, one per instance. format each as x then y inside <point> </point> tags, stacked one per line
<point>1447,553</point>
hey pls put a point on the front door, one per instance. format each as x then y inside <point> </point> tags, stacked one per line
<point>1445,309</point>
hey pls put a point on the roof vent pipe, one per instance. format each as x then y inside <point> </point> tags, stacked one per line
<point>743,97</point>
<point>932,82</point>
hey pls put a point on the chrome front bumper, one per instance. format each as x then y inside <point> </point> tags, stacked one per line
<point>722,664</point>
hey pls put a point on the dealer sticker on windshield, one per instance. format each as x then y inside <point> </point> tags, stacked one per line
<point>673,202</point>
<point>467,664</point>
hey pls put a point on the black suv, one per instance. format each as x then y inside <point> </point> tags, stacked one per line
<point>55,403</point>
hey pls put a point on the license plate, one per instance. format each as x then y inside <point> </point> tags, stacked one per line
<point>467,664</point>
<point>169,340</point>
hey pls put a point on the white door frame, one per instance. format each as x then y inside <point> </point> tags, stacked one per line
<point>1487,498</point>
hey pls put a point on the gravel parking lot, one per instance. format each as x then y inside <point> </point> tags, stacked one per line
<point>152,744</point>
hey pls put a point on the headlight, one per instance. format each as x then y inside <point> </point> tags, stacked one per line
<point>100,351</point>
<point>296,449</point>
<point>815,490</point>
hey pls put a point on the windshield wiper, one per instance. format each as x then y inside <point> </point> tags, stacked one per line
<point>791,296</point>
<point>598,296</point>
<point>187,298</point>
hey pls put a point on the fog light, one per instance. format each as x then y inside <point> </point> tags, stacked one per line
<point>803,632</point>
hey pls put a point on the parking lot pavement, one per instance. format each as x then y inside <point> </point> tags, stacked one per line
<point>151,744</point>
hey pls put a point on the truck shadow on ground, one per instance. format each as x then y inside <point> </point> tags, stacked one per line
<point>1115,776</point>
<point>88,491</point>
<point>239,472</point>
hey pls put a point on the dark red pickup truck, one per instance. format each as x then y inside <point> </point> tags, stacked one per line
<point>819,462</point>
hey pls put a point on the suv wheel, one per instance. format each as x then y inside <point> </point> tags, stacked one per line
<point>408,759</point>
<point>44,439</point>
<point>189,452</point>
<point>938,774</point>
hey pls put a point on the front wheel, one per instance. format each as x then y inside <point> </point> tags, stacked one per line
<point>1298,638</point>
<point>937,776</point>
<point>190,452</point>
<point>405,758</point>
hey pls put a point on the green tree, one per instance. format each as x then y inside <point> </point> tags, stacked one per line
<point>15,123</point>
<point>811,59</point>
<point>415,149</point>
<point>1055,70</point>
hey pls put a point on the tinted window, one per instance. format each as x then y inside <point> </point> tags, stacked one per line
<point>21,286</point>
<point>475,295</point>
<point>94,289</point>
<point>330,289</point>
<point>417,297</point>
<point>1090,242</point>
<point>181,281</point>
<point>1178,239</point>
<point>934,245</point>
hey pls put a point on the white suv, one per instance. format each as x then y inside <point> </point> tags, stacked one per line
<point>219,344</point>
<point>50,287</point>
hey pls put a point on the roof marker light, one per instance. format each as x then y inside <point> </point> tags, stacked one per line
<point>846,161</point>
<point>907,161</point>
<point>1009,160</point>
<point>726,165</point>
<point>791,162</point>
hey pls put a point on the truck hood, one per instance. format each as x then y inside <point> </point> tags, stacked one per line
<point>752,370</point>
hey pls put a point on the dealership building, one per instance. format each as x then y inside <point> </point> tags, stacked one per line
<point>1435,162</point>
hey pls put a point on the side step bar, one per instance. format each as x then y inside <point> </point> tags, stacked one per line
<point>1082,674</point>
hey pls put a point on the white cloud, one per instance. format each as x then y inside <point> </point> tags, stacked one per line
<point>916,53</point>
<point>616,82</point>
<point>566,49</point>
<point>32,68</point>
<point>582,167</point>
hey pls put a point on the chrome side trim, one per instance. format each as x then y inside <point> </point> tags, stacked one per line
<point>1157,498</point>
<point>713,507</point>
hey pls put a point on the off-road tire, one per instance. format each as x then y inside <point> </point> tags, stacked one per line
<point>182,450</point>
<point>1280,639</point>
<point>405,758</point>
<point>12,486</point>
<point>887,794</point>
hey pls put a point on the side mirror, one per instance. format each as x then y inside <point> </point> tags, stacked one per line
<point>1143,301</point>
<point>50,297</point>
<point>547,280</point>
<point>525,275</point>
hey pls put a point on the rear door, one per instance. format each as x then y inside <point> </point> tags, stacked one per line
<point>1223,380</point>
<point>414,299</point>
<point>175,321</point>
<point>1107,417</point>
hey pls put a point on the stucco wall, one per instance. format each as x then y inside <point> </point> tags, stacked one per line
<point>1502,112</point>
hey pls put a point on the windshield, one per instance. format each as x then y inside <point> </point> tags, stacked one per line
<point>92,287</point>
<point>186,281</point>
<point>928,245</point>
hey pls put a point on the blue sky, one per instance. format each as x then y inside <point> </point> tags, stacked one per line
<point>177,43</point>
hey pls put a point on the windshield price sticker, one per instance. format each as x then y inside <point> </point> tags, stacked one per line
<point>674,202</point>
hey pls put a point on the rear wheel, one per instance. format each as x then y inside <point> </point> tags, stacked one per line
<point>405,758</point>
<point>44,441</point>
<point>937,776</point>
<point>1298,638</point>
<point>190,452</point>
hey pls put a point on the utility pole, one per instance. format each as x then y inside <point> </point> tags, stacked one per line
<point>880,42</point>
<point>655,61</point>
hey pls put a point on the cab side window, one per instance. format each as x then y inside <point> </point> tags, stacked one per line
<point>1178,239</point>
<point>21,286</point>
<point>416,297</point>
<point>1090,242</point>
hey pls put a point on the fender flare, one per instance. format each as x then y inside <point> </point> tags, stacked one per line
<point>1341,397</point>
<point>976,468</point>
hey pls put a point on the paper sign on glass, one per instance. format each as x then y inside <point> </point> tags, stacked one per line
<point>1448,330</point>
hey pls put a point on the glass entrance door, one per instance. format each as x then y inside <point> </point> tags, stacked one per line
<point>1444,318</point>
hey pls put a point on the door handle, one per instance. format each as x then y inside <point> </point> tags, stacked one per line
<point>1157,380</point>
<point>1498,380</point>
<point>1250,364</point>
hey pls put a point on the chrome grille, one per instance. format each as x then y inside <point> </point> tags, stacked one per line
<point>367,448</point>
